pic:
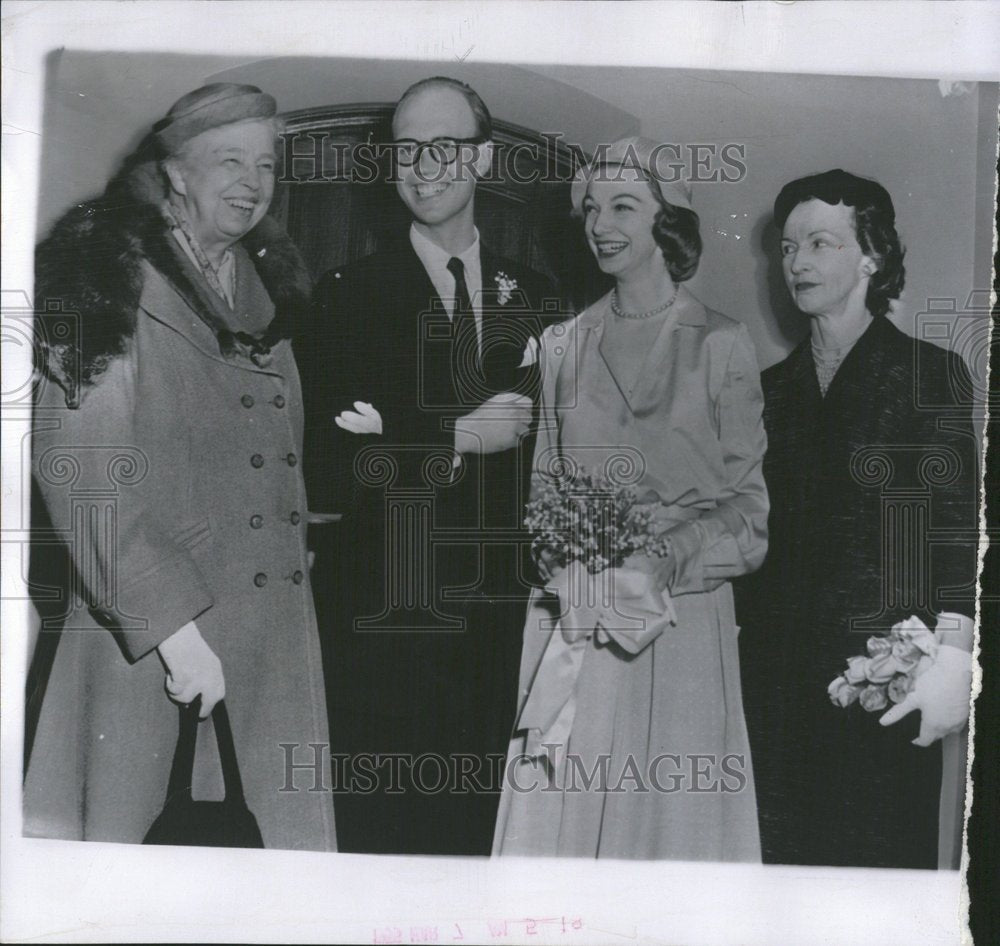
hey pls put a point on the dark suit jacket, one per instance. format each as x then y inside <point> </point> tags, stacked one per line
<point>873,494</point>
<point>382,335</point>
<point>422,586</point>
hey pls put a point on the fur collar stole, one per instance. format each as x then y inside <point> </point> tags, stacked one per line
<point>90,268</point>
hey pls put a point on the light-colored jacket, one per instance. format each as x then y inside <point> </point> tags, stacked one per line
<point>178,488</point>
<point>690,433</point>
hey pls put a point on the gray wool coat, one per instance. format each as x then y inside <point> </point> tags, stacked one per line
<point>177,486</point>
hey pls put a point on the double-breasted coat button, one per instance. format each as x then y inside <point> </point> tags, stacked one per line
<point>279,400</point>
<point>247,400</point>
<point>292,459</point>
<point>260,579</point>
<point>256,461</point>
<point>295,518</point>
<point>297,577</point>
<point>256,522</point>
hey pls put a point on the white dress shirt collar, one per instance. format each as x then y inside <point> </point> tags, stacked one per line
<point>435,260</point>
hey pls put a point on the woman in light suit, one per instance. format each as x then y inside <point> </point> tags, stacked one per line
<point>632,744</point>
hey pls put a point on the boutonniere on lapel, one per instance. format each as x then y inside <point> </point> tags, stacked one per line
<point>505,287</point>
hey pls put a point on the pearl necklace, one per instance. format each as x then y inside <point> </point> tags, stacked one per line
<point>641,315</point>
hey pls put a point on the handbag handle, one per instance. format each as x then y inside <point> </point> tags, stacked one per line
<point>182,769</point>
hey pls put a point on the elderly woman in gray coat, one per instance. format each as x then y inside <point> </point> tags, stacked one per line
<point>168,432</point>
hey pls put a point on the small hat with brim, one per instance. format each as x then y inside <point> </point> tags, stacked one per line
<point>656,161</point>
<point>221,103</point>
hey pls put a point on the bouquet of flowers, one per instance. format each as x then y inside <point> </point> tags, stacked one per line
<point>589,519</point>
<point>585,527</point>
<point>889,670</point>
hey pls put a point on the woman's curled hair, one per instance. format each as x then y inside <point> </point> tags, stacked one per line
<point>676,231</point>
<point>874,226</point>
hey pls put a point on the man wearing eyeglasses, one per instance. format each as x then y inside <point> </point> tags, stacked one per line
<point>422,407</point>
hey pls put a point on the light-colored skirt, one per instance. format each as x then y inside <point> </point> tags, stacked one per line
<point>657,761</point>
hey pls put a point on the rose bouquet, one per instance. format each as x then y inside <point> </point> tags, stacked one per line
<point>889,670</point>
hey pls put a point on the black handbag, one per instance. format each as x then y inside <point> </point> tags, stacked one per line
<point>184,821</point>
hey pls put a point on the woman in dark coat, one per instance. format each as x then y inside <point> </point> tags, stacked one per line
<point>871,470</point>
<point>167,436</point>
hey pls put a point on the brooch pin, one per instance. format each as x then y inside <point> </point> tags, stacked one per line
<point>505,286</point>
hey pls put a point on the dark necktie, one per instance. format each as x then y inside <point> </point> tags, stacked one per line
<point>466,367</point>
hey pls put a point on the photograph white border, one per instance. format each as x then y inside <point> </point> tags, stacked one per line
<point>67,892</point>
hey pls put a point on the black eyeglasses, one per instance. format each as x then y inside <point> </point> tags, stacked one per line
<point>444,150</point>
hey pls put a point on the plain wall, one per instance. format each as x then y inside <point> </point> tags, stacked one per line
<point>932,146</point>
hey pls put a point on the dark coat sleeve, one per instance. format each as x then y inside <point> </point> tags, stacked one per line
<point>365,346</point>
<point>330,363</point>
<point>945,424</point>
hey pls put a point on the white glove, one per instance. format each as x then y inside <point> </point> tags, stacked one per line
<point>364,419</point>
<point>941,693</point>
<point>193,669</point>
